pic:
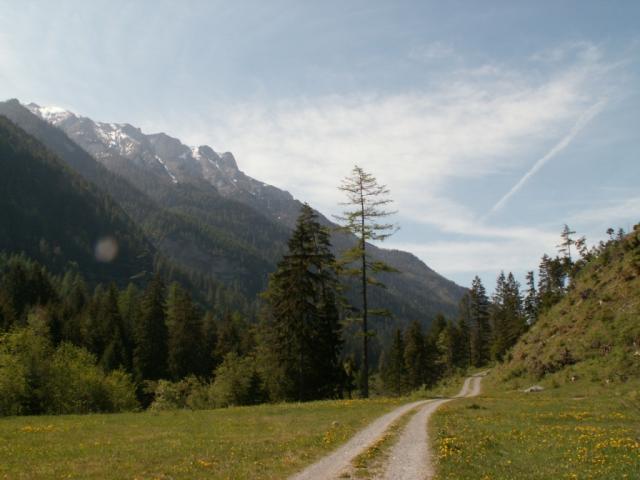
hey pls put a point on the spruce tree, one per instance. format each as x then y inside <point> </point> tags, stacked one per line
<point>507,317</point>
<point>150,334</point>
<point>551,281</point>
<point>462,350</point>
<point>367,199</point>
<point>415,358</point>
<point>480,330</point>
<point>446,344</point>
<point>184,336</point>
<point>300,337</point>
<point>106,330</point>
<point>531,299</point>
<point>209,341</point>
<point>394,372</point>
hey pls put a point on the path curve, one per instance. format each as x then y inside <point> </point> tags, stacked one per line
<point>339,461</point>
<point>411,457</point>
<point>335,463</point>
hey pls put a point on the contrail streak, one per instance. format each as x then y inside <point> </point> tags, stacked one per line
<point>584,119</point>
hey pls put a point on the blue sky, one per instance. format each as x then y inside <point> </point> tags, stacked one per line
<point>493,123</point>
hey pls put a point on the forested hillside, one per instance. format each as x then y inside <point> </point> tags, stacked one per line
<point>199,209</point>
<point>194,227</point>
<point>55,216</point>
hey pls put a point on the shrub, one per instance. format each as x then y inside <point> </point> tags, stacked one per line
<point>186,393</point>
<point>74,383</point>
<point>236,382</point>
<point>36,378</point>
<point>13,383</point>
<point>121,392</point>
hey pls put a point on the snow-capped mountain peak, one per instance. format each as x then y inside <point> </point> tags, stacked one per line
<point>125,149</point>
<point>52,114</point>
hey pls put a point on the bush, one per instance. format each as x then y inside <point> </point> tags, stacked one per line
<point>74,383</point>
<point>36,378</point>
<point>236,382</point>
<point>121,392</point>
<point>13,383</point>
<point>187,393</point>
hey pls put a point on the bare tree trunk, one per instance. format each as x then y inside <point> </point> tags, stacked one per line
<point>365,310</point>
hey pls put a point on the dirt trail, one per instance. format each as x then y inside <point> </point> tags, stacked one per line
<point>335,463</point>
<point>410,455</point>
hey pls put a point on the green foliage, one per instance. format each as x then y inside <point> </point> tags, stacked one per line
<point>236,382</point>
<point>37,378</point>
<point>76,385</point>
<point>150,334</point>
<point>184,330</point>
<point>394,371</point>
<point>187,393</point>
<point>415,356</point>
<point>506,315</point>
<point>300,332</point>
<point>14,382</point>
<point>480,327</point>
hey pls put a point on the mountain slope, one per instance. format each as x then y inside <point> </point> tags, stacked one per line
<point>55,216</point>
<point>179,232</point>
<point>595,329</point>
<point>208,190</point>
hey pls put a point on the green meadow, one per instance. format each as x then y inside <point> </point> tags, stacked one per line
<point>266,441</point>
<point>572,431</point>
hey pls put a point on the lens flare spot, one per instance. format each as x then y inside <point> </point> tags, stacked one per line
<point>106,249</point>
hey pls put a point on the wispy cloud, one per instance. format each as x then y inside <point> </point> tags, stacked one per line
<point>468,127</point>
<point>582,121</point>
<point>614,211</point>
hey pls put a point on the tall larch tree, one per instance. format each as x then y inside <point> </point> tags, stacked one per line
<point>366,210</point>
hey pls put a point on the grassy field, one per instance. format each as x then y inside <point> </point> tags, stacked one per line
<point>575,431</point>
<point>268,441</point>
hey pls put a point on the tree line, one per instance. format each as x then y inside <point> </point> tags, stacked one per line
<point>155,346</point>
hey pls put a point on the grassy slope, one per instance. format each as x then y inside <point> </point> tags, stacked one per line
<point>586,423</point>
<point>268,441</point>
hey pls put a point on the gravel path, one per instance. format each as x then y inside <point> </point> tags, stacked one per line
<point>411,458</point>
<point>334,464</point>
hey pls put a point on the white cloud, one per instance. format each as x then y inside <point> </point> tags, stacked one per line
<point>476,124</point>
<point>454,257</point>
<point>619,210</point>
<point>469,127</point>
